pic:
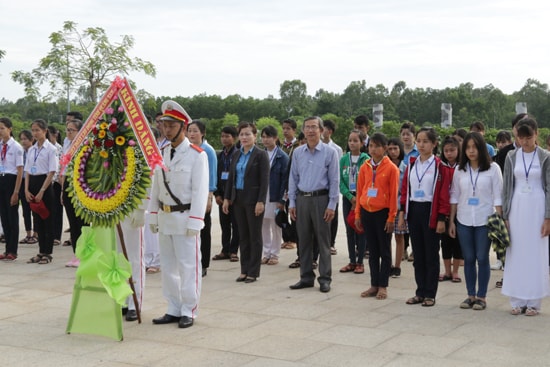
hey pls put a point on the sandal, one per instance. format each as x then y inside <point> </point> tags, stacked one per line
<point>498,284</point>
<point>371,292</point>
<point>456,280</point>
<point>428,302</point>
<point>445,277</point>
<point>359,269</point>
<point>516,311</point>
<point>233,258</point>
<point>348,268</point>
<point>220,256</point>
<point>415,300</point>
<point>152,270</point>
<point>265,260</point>
<point>273,261</point>
<point>530,311</point>
<point>56,242</point>
<point>479,305</point>
<point>32,240</point>
<point>382,293</point>
<point>67,243</point>
<point>45,259</point>
<point>25,240</point>
<point>467,303</point>
<point>295,264</point>
<point>35,259</point>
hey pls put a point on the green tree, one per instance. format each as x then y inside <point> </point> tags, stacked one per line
<point>294,97</point>
<point>84,58</point>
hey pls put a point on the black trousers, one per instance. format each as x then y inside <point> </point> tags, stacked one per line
<point>425,245</point>
<point>250,237</point>
<point>75,223</point>
<point>57,212</point>
<point>379,244</point>
<point>206,241</point>
<point>9,214</point>
<point>230,231</point>
<point>44,227</point>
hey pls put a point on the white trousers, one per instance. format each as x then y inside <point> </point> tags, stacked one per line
<point>152,252</point>
<point>518,302</point>
<point>133,239</point>
<point>272,236</point>
<point>180,259</point>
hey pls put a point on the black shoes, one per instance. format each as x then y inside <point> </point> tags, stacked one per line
<point>166,319</point>
<point>324,287</point>
<point>185,322</point>
<point>301,285</point>
<point>204,272</point>
<point>131,315</point>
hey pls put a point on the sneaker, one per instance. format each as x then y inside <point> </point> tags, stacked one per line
<point>396,272</point>
<point>497,265</point>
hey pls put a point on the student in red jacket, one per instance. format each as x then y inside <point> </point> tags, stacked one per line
<point>377,188</point>
<point>425,204</point>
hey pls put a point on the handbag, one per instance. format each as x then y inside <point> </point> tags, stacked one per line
<point>40,209</point>
<point>350,219</point>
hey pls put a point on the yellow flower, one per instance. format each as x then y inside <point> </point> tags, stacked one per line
<point>101,134</point>
<point>103,154</point>
<point>120,140</point>
<point>106,206</point>
<point>103,126</point>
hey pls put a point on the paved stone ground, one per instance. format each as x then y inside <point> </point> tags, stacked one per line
<point>266,324</point>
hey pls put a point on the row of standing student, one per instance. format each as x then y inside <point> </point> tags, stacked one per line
<point>437,198</point>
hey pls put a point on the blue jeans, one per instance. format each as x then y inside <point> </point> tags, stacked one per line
<point>357,243</point>
<point>475,244</point>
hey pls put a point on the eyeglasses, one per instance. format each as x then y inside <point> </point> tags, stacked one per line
<point>71,130</point>
<point>311,127</point>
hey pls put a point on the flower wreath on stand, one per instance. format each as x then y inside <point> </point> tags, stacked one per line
<point>108,174</point>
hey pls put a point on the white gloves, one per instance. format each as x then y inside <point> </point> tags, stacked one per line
<point>191,232</point>
<point>137,218</point>
<point>152,220</point>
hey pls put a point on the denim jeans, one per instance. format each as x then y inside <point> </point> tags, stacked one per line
<point>475,244</point>
<point>357,243</point>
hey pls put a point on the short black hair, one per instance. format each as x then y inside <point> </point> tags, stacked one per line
<point>329,124</point>
<point>361,120</point>
<point>75,115</point>
<point>291,122</point>
<point>503,136</point>
<point>231,130</point>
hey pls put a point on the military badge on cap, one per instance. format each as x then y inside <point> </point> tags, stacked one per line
<point>171,110</point>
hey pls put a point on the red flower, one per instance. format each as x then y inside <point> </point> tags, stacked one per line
<point>95,130</point>
<point>97,142</point>
<point>109,143</point>
<point>113,128</point>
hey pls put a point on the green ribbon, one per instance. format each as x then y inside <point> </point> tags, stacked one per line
<point>113,272</point>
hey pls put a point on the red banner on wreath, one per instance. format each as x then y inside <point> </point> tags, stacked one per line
<point>120,88</point>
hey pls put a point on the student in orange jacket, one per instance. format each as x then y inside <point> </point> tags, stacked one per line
<point>377,188</point>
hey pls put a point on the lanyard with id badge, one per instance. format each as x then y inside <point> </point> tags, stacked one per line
<point>372,191</point>
<point>419,193</point>
<point>353,175</point>
<point>473,200</point>
<point>526,188</point>
<point>34,169</point>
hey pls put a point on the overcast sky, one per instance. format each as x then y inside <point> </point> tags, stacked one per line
<point>250,47</point>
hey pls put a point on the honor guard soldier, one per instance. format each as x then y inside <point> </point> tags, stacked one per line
<point>176,211</point>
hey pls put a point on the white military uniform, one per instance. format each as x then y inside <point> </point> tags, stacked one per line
<point>180,254</point>
<point>133,241</point>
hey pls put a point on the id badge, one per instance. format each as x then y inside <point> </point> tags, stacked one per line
<point>473,201</point>
<point>352,186</point>
<point>372,193</point>
<point>419,193</point>
<point>225,175</point>
<point>526,189</point>
<point>33,170</point>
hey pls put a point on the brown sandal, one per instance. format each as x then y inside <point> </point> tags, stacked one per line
<point>382,293</point>
<point>415,300</point>
<point>45,259</point>
<point>220,256</point>
<point>371,292</point>
<point>35,259</point>
<point>233,258</point>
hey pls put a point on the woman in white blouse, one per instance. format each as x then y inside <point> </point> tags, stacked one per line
<point>475,194</point>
